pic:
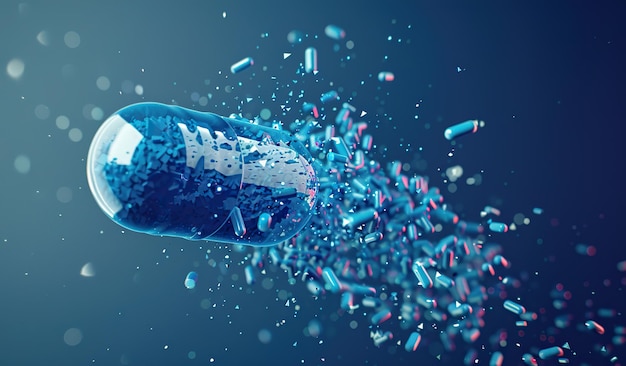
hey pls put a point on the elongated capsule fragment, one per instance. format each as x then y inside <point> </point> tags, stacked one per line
<point>381,317</point>
<point>422,275</point>
<point>413,342</point>
<point>460,129</point>
<point>331,279</point>
<point>329,96</point>
<point>310,60</point>
<point>241,65</point>
<point>249,272</point>
<point>238,224</point>
<point>190,280</point>
<point>551,352</point>
<point>514,307</point>
<point>592,325</point>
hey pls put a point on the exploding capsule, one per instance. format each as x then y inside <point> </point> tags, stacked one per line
<point>460,129</point>
<point>170,171</point>
<point>190,280</point>
<point>241,65</point>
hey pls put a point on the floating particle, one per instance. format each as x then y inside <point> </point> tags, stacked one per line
<point>88,270</point>
<point>190,280</point>
<point>385,76</point>
<point>537,210</point>
<point>71,39</point>
<point>335,32</point>
<point>73,336</point>
<point>22,164</point>
<point>15,68</point>
<point>241,65</point>
<point>295,36</point>
<point>310,60</point>
<point>461,129</point>
<point>43,38</point>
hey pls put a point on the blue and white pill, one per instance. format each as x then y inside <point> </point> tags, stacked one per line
<point>310,60</point>
<point>498,227</point>
<point>241,65</point>
<point>190,280</point>
<point>413,342</point>
<point>461,129</point>
<point>264,223</point>
<point>335,32</point>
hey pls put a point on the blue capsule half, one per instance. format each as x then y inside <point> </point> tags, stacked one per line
<point>170,171</point>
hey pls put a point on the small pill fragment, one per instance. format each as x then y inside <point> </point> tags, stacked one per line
<point>498,227</point>
<point>496,359</point>
<point>264,222</point>
<point>413,342</point>
<point>461,129</point>
<point>592,325</point>
<point>329,96</point>
<point>381,317</point>
<point>238,224</point>
<point>514,307</point>
<point>335,32</point>
<point>550,352</point>
<point>190,280</point>
<point>331,279</point>
<point>249,273</point>
<point>310,60</point>
<point>241,65</point>
<point>385,76</point>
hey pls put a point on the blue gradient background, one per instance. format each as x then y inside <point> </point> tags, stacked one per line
<point>547,77</point>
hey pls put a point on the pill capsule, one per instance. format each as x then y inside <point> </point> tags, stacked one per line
<point>241,65</point>
<point>460,129</point>
<point>386,76</point>
<point>310,60</point>
<point>170,171</point>
<point>514,307</point>
<point>550,352</point>
<point>498,227</point>
<point>190,280</point>
<point>264,222</point>
<point>249,273</point>
<point>347,301</point>
<point>496,359</point>
<point>381,317</point>
<point>422,275</point>
<point>335,32</point>
<point>592,325</point>
<point>413,342</point>
<point>331,279</point>
<point>529,359</point>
